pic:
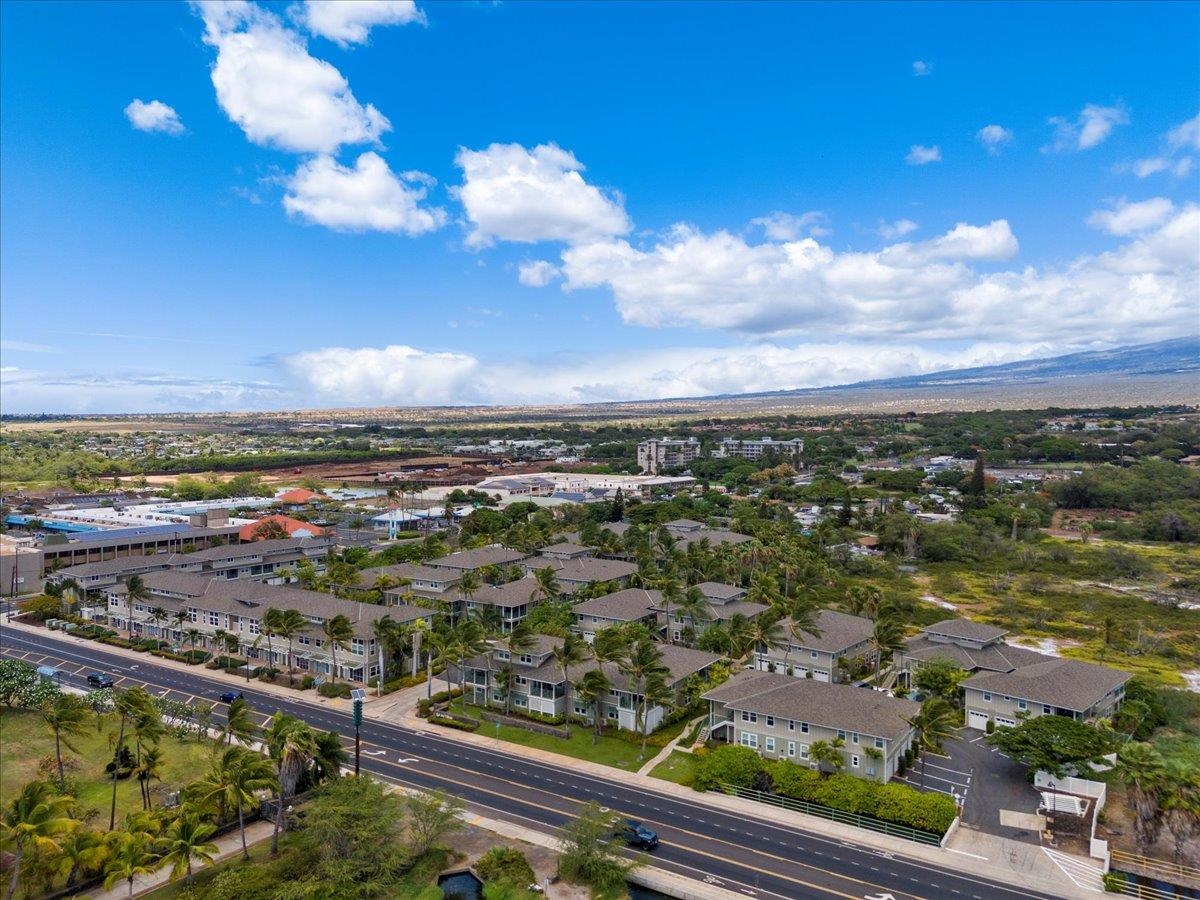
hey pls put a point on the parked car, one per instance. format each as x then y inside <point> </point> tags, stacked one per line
<point>635,834</point>
<point>100,680</point>
<point>230,696</point>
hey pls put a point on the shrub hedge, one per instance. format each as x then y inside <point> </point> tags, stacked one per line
<point>448,722</point>
<point>334,690</point>
<point>894,803</point>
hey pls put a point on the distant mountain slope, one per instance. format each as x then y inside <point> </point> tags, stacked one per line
<point>1174,357</point>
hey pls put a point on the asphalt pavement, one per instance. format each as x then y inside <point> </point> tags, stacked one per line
<point>756,857</point>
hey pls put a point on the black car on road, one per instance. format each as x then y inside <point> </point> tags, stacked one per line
<point>230,696</point>
<point>636,834</point>
<point>100,680</point>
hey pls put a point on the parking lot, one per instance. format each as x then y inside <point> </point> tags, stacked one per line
<point>983,781</point>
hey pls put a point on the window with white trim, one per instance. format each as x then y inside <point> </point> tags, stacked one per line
<point>769,744</point>
<point>804,751</point>
<point>804,728</point>
<point>1022,704</point>
<point>770,721</point>
<point>749,716</point>
<point>748,739</point>
<point>791,749</point>
<point>854,760</point>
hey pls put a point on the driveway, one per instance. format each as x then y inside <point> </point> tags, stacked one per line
<point>983,780</point>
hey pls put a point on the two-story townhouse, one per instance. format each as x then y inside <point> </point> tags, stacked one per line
<point>538,683</point>
<point>782,717</point>
<point>262,560</point>
<point>511,601</point>
<point>580,571</point>
<point>973,646</point>
<point>214,608</point>
<point>481,557</point>
<point>724,601</point>
<point>619,608</point>
<point>809,655</point>
<point>414,578</point>
<point>562,550</point>
<point>1055,687</point>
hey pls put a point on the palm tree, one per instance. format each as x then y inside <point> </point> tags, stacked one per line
<point>934,723</point>
<point>469,584</point>
<point>519,640</point>
<point>338,631</point>
<point>270,628</point>
<point>383,630</point>
<point>828,753</point>
<point>83,851</point>
<point>1142,769</point>
<point>547,587</point>
<point>887,637</point>
<point>592,688</point>
<point>248,774</point>
<point>694,607</point>
<point>188,839</point>
<point>671,592</point>
<point>239,723</point>
<point>329,757</point>
<point>643,663</point>
<point>439,650</point>
<point>66,715</point>
<point>158,615</point>
<point>1181,806</point>
<point>135,591</point>
<point>768,632</point>
<point>292,745</point>
<point>741,635</point>
<point>291,624</point>
<point>571,652</point>
<point>149,768</point>
<point>193,635</point>
<point>34,822</point>
<point>130,856</point>
<point>178,619</point>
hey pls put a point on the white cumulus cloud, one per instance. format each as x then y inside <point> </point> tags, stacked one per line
<point>365,197</point>
<point>1125,218</point>
<point>350,21</point>
<point>1177,142</point>
<point>153,116</point>
<point>891,230</point>
<point>537,273</point>
<point>993,137</point>
<point>275,91</point>
<point>1186,135</point>
<point>782,226</point>
<point>392,374</point>
<point>920,156</point>
<point>511,193</point>
<point>1093,125</point>
<point>920,68</point>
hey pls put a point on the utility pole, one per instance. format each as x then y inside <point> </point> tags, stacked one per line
<point>357,696</point>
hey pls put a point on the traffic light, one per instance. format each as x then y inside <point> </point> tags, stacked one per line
<point>358,713</point>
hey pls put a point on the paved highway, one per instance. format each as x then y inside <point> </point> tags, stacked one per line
<point>753,856</point>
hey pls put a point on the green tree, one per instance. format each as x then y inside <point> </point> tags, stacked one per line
<point>337,631</point>
<point>546,585</point>
<point>239,723</point>
<point>291,745</point>
<point>941,678</point>
<point>187,838</point>
<point>592,688</point>
<point>135,592</point>
<point>248,773</point>
<point>430,816</point>
<point>935,723</point>
<point>130,855</point>
<point>1053,744</point>
<point>34,822</point>
<point>642,665</point>
<point>587,852</point>
<point>290,625</point>
<point>66,715</point>
<point>886,637</point>
<point>1143,771</point>
<point>828,755</point>
<point>571,652</point>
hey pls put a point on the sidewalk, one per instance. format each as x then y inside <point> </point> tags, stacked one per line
<point>670,748</point>
<point>1011,862</point>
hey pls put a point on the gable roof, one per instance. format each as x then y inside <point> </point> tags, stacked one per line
<point>717,590</point>
<point>566,548</point>
<point>508,595</point>
<point>297,496</point>
<point>835,706</point>
<point>294,527</point>
<point>997,657</point>
<point>463,560</point>
<point>1065,683</point>
<point>412,572</point>
<point>966,630</point>
<point>628,605</point>
<point>587,569</point>
<point>839,631</point>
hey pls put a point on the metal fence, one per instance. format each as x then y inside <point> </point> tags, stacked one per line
<point>836,815</point>
<point>1158,869</point>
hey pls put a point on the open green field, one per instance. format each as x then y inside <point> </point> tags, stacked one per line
<point>678,767</point>
<point>607,749</point>
<point>25,742</point>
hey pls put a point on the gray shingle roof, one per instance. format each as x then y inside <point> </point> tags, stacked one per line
<point>566,548</point>
<point>839,631</point>
<point>628,605</point>
<point>836,706</point>
<point>998,657</point>
<point>1066,683</point>
<point>965,629</point>
<point>716,590</point>
<point>587,569</point>
<point>513,593</point>
<point>411,572</point>
<point>478,558</point>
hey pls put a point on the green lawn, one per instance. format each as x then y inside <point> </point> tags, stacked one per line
<point>25,742</point>
<point>607,750</point>
<point>678,767</point>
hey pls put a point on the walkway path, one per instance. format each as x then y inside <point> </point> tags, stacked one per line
<point>670,748</point>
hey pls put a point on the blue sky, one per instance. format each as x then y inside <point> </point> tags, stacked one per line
<point>234,205</point>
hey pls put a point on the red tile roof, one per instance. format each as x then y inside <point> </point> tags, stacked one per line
<point>293,527</point>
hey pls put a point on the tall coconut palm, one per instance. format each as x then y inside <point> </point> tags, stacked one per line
<point>643,663</point>
<point>135,592</point>
<point>66,715</point>
<point>149,769</point>
<point>439,650</point>
<point>329,757</point>
<point>518,641</point>
<point>383,630</point>
<point>741,635</point>
<point>546,585</point>
<point>158,615</point>
<point>249,773</point>
<point>1142,769</point>
<point>886,637</point>
<point>270,628</point>
<point>131,854</point>
<point>592,688</point>
<point>177,621</point>
<point>935,723</point>
<point>83,852</point>
<point>337,631</point>
<point>571,652</point>
<point>291,745</point>
<point>469,584</point>
<point>291,625</point>
<point>694,608</point>
<point>239,724</point>
<point>671,590</point>
<point>192,635</point>
<point>768,633</point>
<point>186,839</point>
<point>1181,805</point>
<point>35,821</point>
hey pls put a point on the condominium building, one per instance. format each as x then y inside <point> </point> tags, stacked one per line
<point>757,448</point>
<point>659,454</point>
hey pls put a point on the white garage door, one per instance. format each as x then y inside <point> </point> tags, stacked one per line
<point>977,720</point>
<point>1008,723</point>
